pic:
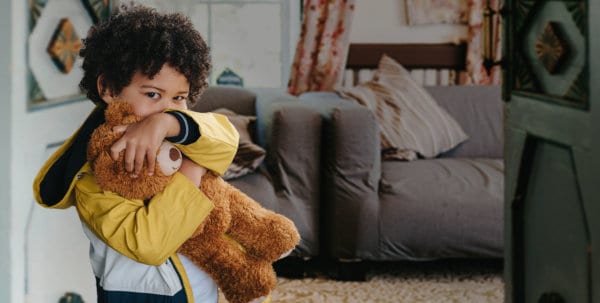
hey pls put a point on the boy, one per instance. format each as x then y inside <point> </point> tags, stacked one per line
<point>157,63</point>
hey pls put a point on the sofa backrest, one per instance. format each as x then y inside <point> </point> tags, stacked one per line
<point>480,112</point>
<point>239,100</point>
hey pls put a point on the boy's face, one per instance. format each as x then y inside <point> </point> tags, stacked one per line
<point>168,89</point>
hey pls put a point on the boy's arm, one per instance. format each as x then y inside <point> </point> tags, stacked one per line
<point>141,140</point>
<point>216,142</point>
<point>208,139</point>
<point>145,232</point>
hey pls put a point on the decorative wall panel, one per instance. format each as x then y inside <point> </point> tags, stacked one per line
<point>98,9</point>
<point>56,29</point>
<point>549,54</point>
<point>64,46</point>
<point>551,141</point>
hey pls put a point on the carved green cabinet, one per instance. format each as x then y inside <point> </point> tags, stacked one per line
<point>552,189</point>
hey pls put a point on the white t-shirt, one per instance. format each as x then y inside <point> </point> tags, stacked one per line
<point>203,287</point>
<point>117,272</point>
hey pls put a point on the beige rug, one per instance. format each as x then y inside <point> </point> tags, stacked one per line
<point>395,284</point>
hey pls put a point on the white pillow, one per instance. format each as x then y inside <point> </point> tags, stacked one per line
<point>410,120</point>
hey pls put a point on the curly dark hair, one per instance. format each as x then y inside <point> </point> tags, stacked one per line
<point>137,38</point>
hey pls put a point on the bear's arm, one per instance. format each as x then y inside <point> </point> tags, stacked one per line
<point>145,232</point>
<point>217,144</point>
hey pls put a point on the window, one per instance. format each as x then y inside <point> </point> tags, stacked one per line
<point>255,39</point>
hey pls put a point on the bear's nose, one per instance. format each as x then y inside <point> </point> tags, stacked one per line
<point>174,154</point>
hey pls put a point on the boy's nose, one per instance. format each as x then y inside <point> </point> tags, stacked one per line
<point>165,103</point>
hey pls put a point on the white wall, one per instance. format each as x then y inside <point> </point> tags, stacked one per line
<point>30,134</point>
<point>381,21</point>
<point>5,153</point>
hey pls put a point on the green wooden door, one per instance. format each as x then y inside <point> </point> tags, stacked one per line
<point>552,196</point>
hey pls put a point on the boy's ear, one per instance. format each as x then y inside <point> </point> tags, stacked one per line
<point>105,93</point>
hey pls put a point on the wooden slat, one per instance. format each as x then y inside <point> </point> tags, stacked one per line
<point>435,56</point>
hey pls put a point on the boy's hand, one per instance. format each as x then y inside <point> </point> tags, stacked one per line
<point>192,171</point>
<point>141,141</point>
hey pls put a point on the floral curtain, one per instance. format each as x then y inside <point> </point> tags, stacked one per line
<point>476,73</point>
<point>323,45</point>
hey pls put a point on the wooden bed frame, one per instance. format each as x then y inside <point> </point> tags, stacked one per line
<point>437,63</point>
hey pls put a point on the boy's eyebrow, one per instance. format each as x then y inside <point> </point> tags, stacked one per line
<point>162,90</point>
<point>154,87</point>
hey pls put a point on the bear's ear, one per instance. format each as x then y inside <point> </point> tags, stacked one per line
<point>168,158</point>
<point>117,111</point>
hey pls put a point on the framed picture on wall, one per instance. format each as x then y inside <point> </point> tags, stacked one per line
<point>56,30</point>
<point>421,12</point>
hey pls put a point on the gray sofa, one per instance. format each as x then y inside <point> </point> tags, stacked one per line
<point>447,207</point>
<point>289,180</point>
<point>324,171</point>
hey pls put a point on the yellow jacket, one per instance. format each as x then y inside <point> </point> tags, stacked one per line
<point>148,233</point>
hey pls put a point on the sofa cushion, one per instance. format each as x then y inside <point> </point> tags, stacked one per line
<point>441,208</point>
<point>480,111</point>
<point>249,155</point>
<point>410,120</point>
<point>258,186</point>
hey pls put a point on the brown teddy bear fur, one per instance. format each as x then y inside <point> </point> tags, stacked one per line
<point>111,175</point>
<point>237,243</point>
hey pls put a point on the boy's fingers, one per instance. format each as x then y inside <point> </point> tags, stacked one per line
<point>116,148</point>
<point>151,157</point>
<point>138,162</point>
<point>119,128</point>
<point>129,158</point>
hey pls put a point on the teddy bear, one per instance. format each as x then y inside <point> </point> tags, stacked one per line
<point>239,240</point>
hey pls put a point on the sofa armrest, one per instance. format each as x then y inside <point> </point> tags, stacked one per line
<point>237,99</point>
<point>352,169</point>
<point>293,161</point>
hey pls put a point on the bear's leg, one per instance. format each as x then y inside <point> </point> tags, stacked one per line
<point>240,276</point>
<point>262,232</point>
<point>260,281</point>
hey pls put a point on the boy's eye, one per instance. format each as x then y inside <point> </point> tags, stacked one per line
<point>179,98</point>
<point>153,95</point>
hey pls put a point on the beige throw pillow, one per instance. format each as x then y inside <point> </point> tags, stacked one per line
<point>410,120</point>
<point>249,155</point>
